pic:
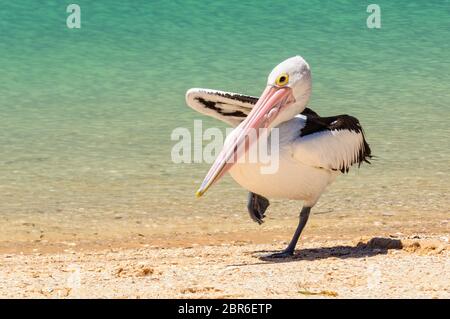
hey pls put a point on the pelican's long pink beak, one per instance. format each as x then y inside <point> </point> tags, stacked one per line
<point>272,100</point>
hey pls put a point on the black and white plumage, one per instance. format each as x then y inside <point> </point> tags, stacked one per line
<point>313,150</point>
<point>335,142</point>
<point>231,108</point>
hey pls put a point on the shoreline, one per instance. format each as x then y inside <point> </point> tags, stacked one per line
<point>42,236</point>
<point>338,256</point>
<point>415,266</point>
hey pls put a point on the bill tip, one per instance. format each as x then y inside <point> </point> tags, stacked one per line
<point>198,193</point>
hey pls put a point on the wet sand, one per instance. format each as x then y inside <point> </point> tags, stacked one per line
<point>395,266</point>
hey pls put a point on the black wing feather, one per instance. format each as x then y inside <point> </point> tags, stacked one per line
<point>315,124</point>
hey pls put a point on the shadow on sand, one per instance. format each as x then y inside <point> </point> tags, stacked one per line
<point>375,246</point>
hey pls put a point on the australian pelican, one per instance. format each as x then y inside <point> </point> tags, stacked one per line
<point>313,150</point>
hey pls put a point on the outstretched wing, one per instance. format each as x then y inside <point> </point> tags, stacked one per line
<point>228,107</point>
<point>231,108</point>
<point>334,143</point>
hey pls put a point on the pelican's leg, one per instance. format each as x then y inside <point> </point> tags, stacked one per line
<point>257,206</point>
<point>289,251</point>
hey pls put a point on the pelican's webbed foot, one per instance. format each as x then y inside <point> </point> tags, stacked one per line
<point>282,254</point>
<point>257,206</point>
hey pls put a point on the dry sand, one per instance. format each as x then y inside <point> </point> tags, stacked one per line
<point>407,266</point>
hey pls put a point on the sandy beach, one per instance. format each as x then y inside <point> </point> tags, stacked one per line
<point>416,266</point>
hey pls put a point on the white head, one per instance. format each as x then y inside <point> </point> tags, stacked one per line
<point>293,76</point>
<point>286,95</point>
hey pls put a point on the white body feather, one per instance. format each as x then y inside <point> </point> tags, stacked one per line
<point>307,164</point>
<point>296,178</point>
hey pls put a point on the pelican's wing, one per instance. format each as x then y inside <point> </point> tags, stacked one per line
<point>334,143</point>
<point>228,107</point>
<point>231,108</point>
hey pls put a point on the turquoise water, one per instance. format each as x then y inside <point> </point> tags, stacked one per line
<point>86,114</point>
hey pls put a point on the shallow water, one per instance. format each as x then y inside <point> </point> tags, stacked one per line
<point>86,115</point>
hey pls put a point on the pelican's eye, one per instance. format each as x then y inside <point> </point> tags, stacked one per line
<point>282,80</point>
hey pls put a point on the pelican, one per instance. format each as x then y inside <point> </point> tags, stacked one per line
<point>313,150</point>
